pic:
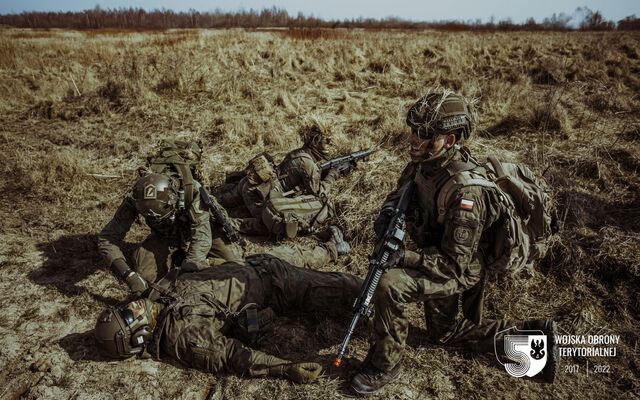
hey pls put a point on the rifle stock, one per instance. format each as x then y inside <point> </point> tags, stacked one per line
<point>220,215</point>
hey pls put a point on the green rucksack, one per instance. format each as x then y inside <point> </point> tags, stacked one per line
<point>181,157</point>
<point>288,215</point>
<point>520,236</point>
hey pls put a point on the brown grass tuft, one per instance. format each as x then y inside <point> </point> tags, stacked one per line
<point>564,103</point>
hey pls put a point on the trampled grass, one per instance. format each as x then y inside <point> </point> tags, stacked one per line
<point>80,111</point>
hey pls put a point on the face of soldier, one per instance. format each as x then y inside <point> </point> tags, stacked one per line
<point>323,144</point>
<point>427,148</point>
<point>134,314</point>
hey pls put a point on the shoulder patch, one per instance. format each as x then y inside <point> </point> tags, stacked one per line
<point>466,204</point>
<point>462,235</point>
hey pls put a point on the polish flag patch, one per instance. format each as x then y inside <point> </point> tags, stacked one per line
<point>466,204</point>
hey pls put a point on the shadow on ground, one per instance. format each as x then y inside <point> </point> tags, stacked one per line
<point>68,260</point>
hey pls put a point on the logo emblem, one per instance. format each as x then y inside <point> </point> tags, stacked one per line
<point>150,192</point>
<point>461,234</point>
<point>525,351</point>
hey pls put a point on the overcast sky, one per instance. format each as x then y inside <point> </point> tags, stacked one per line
<point>420,10</point>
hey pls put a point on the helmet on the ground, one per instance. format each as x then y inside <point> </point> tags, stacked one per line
<point>441,112</point>
<point>124,331</point>
<point>155,196</point>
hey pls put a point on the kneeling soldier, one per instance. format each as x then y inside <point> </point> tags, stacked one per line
<point>453,241</point>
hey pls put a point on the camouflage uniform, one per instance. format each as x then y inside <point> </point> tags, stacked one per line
<point>189,237</point>
<point>253,197</point>
<point>301,173</point>
<point>199,329</point>
<point>448,267</point>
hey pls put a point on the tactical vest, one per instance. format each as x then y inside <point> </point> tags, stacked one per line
<point>520,235</point>
<point>288,215</point>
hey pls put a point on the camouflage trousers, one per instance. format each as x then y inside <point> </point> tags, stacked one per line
<point>156,256</point>
<point>400,287</point>
<point>288,288</point>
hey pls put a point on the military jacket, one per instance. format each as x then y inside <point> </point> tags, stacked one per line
<point>197,330</point>
<point>299,171</point>
<point>448,245</point>
<point>190,230</point>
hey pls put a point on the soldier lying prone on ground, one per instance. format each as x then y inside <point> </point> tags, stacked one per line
<point>208,319</point>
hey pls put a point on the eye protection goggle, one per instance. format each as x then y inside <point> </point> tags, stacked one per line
<point>127,315</point>
<point>423,133</point>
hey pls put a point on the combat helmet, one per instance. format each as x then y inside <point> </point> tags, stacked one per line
<point>440,112</point>
<point>155,196</point>
<point>124,331</point>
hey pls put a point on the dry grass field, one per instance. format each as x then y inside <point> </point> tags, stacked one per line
<point>79,111</point>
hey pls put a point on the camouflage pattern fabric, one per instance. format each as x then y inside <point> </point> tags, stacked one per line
<point>300,172</point>
<point>197,332</point>
<point>448,264</point>
<point>191,232</point>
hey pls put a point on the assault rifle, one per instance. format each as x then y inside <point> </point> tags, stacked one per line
<point>388,244</point>
<point>221,216</point>
<point>343,163</point>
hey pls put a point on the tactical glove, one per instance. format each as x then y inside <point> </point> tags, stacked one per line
<point>380,226</point>
<point>305,372</point>
<point>346,169</point>
<point>136,283</point>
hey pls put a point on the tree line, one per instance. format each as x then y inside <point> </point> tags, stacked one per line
<point>138,18</point>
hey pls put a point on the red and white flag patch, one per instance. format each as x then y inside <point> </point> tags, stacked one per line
<point>466,204</point>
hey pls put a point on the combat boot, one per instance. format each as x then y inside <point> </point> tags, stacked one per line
<point>337,239</point>
<point>549,328</point>
<point>370,380</point>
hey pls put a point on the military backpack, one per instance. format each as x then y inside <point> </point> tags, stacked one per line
<point>183,158</point>
<point>288,215</point>
<point>520,236</point>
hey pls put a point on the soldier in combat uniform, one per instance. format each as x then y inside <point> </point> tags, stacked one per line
<point>448,267</point>
<point>251,194</point>
<point>209,317</point>
<point>299,169</point>
<point>181,234</point>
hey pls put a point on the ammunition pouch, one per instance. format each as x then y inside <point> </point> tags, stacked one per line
<point>287,216</point>
<point>251,325</point>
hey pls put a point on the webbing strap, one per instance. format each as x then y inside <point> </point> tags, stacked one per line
<point>187,182</point>
<point>497,165</point>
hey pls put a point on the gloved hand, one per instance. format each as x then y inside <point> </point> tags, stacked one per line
<point>396,259</point>
<point>332,175</point>
<point>136,283</point>
<point>346,169</point>
<point>304,372</point>
<point>380,226</point>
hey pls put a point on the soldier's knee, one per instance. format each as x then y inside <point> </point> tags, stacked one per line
<point>390,286</point>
